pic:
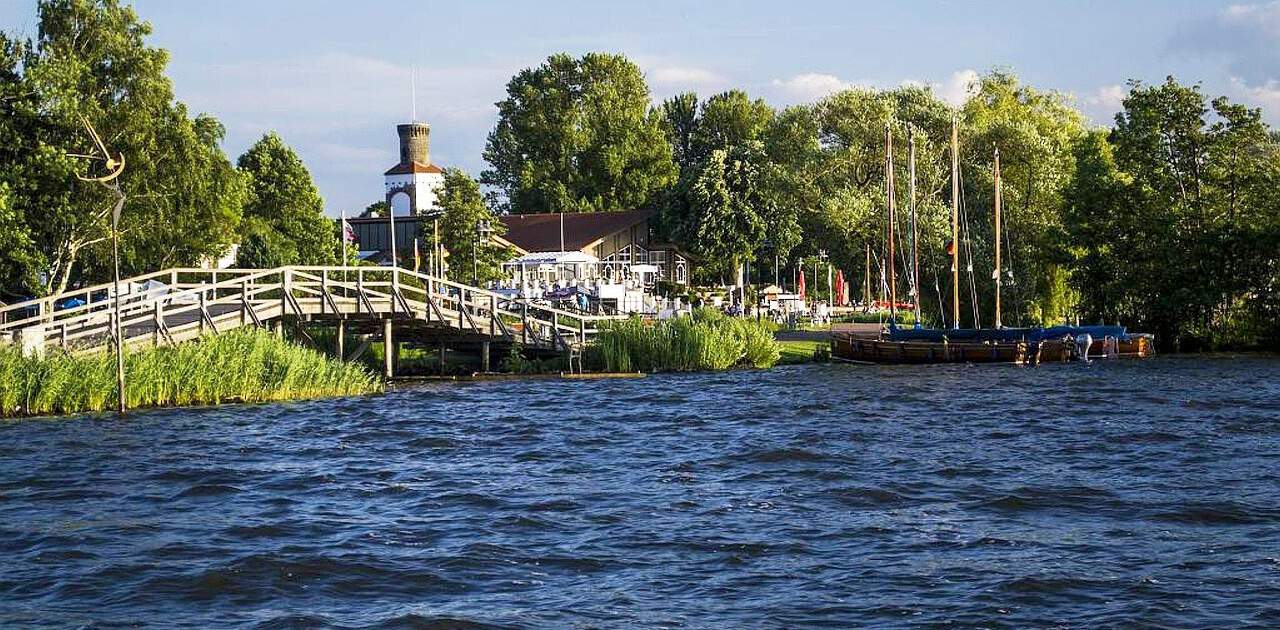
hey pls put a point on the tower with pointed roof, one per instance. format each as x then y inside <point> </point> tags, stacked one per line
<point>411,184</point>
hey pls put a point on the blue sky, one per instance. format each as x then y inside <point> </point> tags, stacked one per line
<point>333,76</point>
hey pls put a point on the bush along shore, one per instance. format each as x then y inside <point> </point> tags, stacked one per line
<point>708,340</point>
<point>246,365</point>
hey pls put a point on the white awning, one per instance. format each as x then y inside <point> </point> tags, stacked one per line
<point>534,259</point>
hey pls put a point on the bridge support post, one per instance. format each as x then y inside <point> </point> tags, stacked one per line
<point>441,357</point>
<point>388,350</point>
<point>484,356</point>
<point>341,337</point>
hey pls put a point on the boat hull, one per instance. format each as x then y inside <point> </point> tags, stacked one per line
<point>849,347</point>
<point>870,350</point>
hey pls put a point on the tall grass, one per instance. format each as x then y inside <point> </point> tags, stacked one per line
<point>246,365</point>
<point>708,340</point>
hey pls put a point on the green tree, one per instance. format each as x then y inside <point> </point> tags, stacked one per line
<point>576,135</point>
<point>284,202</point>
<point>1188,208</point>
<point>730,122</point>
<point>729,119</point>
<point>90,62</point>
<point>16,248</point>
<point>464,209</point>
<point>727,224</point>
<point>1037,133</point>
<point>680,120</point>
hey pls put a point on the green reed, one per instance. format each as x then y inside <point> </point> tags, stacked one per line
<point>246,365</point>
<point>708,340</point>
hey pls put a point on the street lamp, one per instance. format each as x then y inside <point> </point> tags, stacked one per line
<point>483,230</point>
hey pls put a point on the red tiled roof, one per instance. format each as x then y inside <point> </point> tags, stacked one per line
<point>413,167</point>
<point>541,232</point>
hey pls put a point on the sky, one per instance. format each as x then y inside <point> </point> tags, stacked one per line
<point>333,77</point>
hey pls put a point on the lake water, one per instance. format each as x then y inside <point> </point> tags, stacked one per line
<point>1111,494</point>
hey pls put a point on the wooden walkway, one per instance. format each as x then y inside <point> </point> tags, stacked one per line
<point>175,305</point>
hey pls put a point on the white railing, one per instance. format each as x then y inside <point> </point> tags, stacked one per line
<point>196,301</point>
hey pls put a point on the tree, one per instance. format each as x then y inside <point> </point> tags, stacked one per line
<point>727,224</point>
<point>1036,132</point>
<point>16,249</point>
<point>89,62</point>
<point>730,122</point>
<point>464,209</point>
<point>577,135</point>
<point>727,120</point>
<point>1189,213</point>
<point>680,118</point>
<point>377,209</point>
<point>284,202</point>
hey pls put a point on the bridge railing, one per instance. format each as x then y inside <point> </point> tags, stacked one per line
<point>188,299</point>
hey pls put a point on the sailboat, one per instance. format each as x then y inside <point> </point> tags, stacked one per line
<point>999,344</point>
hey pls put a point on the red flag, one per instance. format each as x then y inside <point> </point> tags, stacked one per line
<point>800,283</point>
<point>951,248</point>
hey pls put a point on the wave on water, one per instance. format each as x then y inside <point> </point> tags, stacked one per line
<point>815,496</point>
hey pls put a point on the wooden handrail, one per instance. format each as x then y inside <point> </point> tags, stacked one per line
<point>374,288</point>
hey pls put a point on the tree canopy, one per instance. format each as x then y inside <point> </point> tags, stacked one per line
<point>284,218</point>
<point>464,209</point>
<point>577,135</point>
<point>89,62</point>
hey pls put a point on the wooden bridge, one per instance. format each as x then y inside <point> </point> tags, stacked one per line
<point>361,304</point>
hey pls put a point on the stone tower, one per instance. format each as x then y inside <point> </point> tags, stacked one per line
<point>415,142</point>
<point>411,185</point>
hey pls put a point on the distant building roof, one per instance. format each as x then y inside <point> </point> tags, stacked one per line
<point>413,167</point>
<point>541,232</point>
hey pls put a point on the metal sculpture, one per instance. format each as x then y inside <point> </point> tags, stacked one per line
<point>112,167</point>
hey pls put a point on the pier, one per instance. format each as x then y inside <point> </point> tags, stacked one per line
<point>358,305</point>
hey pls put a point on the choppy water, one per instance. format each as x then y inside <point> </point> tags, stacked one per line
<point>1116,494</point>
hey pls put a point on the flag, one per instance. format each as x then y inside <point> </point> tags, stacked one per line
<point>348,234</point>
<point>800,282</point>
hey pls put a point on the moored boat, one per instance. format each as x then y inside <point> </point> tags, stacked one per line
<point>893,344</point>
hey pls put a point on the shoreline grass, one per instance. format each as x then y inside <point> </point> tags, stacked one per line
<point>707,341</point>
<point>247,365</point>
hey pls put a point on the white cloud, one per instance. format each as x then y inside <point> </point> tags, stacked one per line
<point>339,112</point>
<point>667,77</point>
<point>810,86</point>
<point>676,75</point>
<point>1242,35</point>
<point>1266,96</point>
<point>958,87</point>
<point>1101,104</point>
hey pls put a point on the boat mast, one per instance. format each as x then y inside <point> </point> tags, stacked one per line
<point>893,275</point>
<point>955,224</point>
<point>997,273</point>
<point>915,234</point>
<point>867,290</point>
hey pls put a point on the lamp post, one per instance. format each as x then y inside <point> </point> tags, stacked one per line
<point>483,230</point>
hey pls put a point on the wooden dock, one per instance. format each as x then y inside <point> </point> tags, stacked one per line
<point>361,305</point>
